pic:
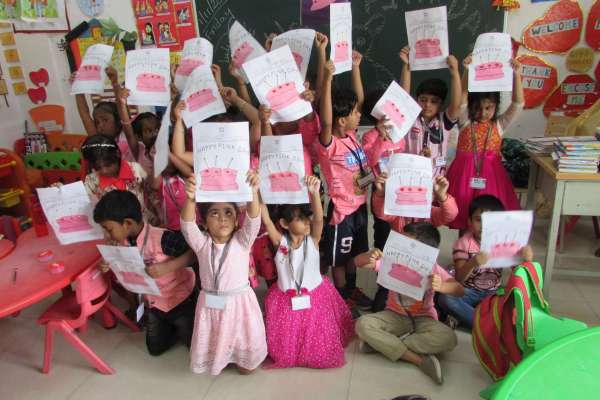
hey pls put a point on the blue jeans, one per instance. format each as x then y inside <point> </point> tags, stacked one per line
<point>463,308</point>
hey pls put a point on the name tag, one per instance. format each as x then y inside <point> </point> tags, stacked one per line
<point>440,161</point>
<point>139,312</point>
<point>215,302</point>
<point>478,183</point>
<point>366,178</point>
<point>300,303</point>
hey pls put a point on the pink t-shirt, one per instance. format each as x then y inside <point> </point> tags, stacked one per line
<point>379,151</point>
<point>172,189</point>
<point>310,136</point>
<point>341,169</point>
<point>126,153</point>
<point>481,278</point>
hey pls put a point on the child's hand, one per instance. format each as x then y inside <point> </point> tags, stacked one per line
<point>440,188</point>
<point>313,184</point>
<point>179,110</point>
<point>404,54</point>
<point>481,258</point>
<point>269,41</point>
<point>72,78</point>
<point>156,270</point>
<point>321,41</point>
<point>426,152</point>
<point>516,66</point>
<point>56,184</point>
<point>374,256</point>
<point>467,61</point>
<point>356,58</point>
<point>229,94</point>
<point>383,128</point>
<point>308,95</point>
<point>527,253</point>
<point>264,113</point>
<point>253,179</point>
<point>233,71</point>
<point>436,282</point>
<point>103,266</point>
<point>216,71</point>
<point>380,183</point>
<point>112,75</point>
<point>122,96</point>
<point>452,64</point>
<point>190,188</point>
<point>329,69</point>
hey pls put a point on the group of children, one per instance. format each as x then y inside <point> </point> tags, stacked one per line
<point>223,247</point>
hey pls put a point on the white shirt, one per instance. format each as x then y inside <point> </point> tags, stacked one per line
<point>309,267</point>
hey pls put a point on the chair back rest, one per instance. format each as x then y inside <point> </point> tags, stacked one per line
<point>92,290</point>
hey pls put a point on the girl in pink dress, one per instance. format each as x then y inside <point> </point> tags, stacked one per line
<point>308,322</point>
<point>229,327</point>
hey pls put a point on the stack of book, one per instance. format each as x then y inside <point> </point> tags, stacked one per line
<point>577,154</point>
<point>541,145</point>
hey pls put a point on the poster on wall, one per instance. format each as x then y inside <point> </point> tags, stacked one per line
<point>575,94</point>
<point>557,30</point>
<point>39,15</point>
<point>592,28</point>
<point>539,79</point>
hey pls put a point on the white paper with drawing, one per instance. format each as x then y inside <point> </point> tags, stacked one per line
<point>503,234</point>
<point>409,187</point>
<point>148,77</point>
<point>282,170</point>
<point>90,76</point>
<point>406,265</point>
<point>244,47</point>
<point>399,108</point>
<point>201,96</point>
<point>129,268</point>
<point>427,38</point>
<point>490,69</point>
<point>277,83</point>
<point>340,36</point>
<point>196,52</point>
<point>161,157</point>
<point>222,161</point>
<point>69,211</point>
<point>300,42</point>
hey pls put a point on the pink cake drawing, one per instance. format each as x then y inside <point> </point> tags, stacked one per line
<point>215,179</point>
<point>285,181</point>
<point>241,54</point>
<point>188,65</point>
<point>73,223</point>
<point>282,96</point>
<point>391,110</point>
<point>149,82</point>
<point>428,48</point>
<point>89,73</point>
<point>200,99</point>
<point>298,59</point>
<point>133,278</point>
<point>504,250</point>
<point>342,52</point>
<point>411,196</point>
<point>320,4</point>
<point>488,71</point>
<point>405,274</point>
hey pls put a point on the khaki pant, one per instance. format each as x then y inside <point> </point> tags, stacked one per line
<point>384,332</point>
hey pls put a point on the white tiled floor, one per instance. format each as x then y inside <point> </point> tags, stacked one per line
<point>365,376</point>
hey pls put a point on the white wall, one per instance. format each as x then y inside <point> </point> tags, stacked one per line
<point>533,122</point>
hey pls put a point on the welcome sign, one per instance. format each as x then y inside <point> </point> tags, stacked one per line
<point>557,31</point>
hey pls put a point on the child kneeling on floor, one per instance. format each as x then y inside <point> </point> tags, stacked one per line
<point>409,329</point>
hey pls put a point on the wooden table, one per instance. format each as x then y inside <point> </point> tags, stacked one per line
<point>574,194</point>
<point>34,281</point>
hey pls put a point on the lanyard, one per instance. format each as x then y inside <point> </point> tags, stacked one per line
<point>213,255</point>
<point>355,154</point>
<point>297,284</point>
<point>169,191</point>
<point>479,160</point>
<point>427,135</point>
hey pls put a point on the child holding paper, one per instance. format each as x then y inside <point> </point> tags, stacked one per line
<point>308,324</point>
<point>229,326</point>
<point>429,134</point>
<point>477,168</point>
<point>408,329</point>
<point>469,263</point>
<point>166,255</point>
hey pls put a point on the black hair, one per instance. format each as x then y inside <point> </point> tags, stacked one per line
<point>370,100</point>
<point>485,202</point>
<point>288,212</point>
<point>475,99</point>
<point>100,148</point>
<point>117,205</point>
<point>139,120</point>
<point>204,207</point>
<point>434,87</point>
<point>424,232</point>
<point>343,102</point>
<point>110,107</point>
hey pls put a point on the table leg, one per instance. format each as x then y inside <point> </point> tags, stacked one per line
<point>553,235</point>
<point>533,172</point>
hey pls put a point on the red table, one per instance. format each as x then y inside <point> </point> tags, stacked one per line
<point>34,280</point>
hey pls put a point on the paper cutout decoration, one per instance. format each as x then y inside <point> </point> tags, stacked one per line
<point>11,55</point>
<point>7,39</point>
<point>399,107</point>
<point>340,22</point>
<point>91,8</point>
<point>503,234</point>
<point>574,95</point>
<point>277,83</point>
<point>490,69</point>
<point>539,79</point>
<point>15,72</point>
<point>201,96</point>
<point>148,76</point>
<point>409,188</point>
<point>196,52</point>
<point>37,95</point>
<point>592,28</point>
<point>69,211</point>
<point>406,265</point>
<point>557,31</point>
<point>244,47</point>
<point>282,170</point>
<point>40,77</point>
<point>580,59</point>
<point>597,71</point>
<point>300,42</point>
<point>428,38</point>
<point>90,76</point>
<point>19,88</point>
<point>221,161</point>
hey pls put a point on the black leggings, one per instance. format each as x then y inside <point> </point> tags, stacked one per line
<point>164,328</point>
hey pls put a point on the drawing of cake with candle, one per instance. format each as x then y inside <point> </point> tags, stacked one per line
<point>489,70</point>
<point>284,181</point>
<point>241,54</point>
<point>133,278</point>
<point>320,4</point>
<point>200,99</point>
<point>427,48</point>
<point>405,274</point>
<point>73,223</point>
<point>150,82</point>
<point>391,110</point>
<point>504,250</point>
<point>411,196</point>
<point>89,73</point>
<point>341,52</point>
<point>188,65</point>
<point>217,179</point>
<point>281,96</point>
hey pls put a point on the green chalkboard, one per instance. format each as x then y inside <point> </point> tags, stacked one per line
<point>379,29</point>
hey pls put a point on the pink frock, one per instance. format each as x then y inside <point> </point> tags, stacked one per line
<point>236,334</point>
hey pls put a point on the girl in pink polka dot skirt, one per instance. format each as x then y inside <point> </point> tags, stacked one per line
<point>308,324</point>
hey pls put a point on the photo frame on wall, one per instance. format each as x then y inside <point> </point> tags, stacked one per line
<point>46,25</point>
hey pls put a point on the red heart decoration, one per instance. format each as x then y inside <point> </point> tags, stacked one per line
<point>597,71</point>
<point>37,95</point>
<point>592,28</point>
<point>539,79</point>
<point>573,96</point>
<point>40,77</point>
<point>557,31</point>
